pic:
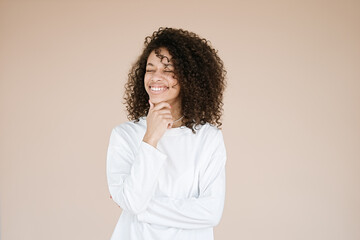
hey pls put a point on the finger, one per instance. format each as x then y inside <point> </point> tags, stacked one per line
<point>162,105</point>
<point>163,111</point>
<point>167,117</point>
<point>151,105</point>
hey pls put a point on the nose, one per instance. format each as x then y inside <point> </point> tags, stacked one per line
<point>156,76</point>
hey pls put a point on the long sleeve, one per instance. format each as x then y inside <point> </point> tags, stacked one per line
<point>132,171</point>
<point>194,213</point>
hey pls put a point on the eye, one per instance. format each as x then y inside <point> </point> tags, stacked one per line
<point>168,70</point>
<point>149,70</point>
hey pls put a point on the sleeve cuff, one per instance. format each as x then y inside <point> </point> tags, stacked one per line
<point>152,150</point>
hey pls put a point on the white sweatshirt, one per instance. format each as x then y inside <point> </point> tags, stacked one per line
<point>175,191</point>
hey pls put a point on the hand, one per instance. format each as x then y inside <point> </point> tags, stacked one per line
<point>111,198</point>
<point>158,120</point>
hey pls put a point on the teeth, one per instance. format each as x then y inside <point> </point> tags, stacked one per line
<point>157,88</point>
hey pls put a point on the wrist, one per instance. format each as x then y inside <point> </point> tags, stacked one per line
<point>150,141</point>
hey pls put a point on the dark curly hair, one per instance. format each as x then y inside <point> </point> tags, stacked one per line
<point>198,69</point>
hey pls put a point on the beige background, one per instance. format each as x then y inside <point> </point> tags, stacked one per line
<point>291,123</point>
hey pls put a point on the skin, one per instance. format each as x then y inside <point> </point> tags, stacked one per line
<point>163,90</point>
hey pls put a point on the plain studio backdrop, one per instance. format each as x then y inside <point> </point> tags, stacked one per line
<point>291,122</point>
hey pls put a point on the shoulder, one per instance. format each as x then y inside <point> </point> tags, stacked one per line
<point>211,137</point>
<point>213,145</point>
<point>131,127</point>
<point>209,131</point>
<point>130,131</point>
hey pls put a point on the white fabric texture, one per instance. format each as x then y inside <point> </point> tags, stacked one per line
<point>175,191</point>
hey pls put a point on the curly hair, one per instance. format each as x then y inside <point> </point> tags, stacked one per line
<point>198,69</point>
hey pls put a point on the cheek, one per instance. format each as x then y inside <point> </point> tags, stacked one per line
<point>146,77</point>
<point>176,88</point>
<point>146,80</point>
<point>173,81</point>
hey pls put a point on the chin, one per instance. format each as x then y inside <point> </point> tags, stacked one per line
<point>157,100</point>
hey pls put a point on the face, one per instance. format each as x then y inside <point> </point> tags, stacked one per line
<point>160,82</point>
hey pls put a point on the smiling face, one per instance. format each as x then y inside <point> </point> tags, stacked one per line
<point>160,82</point>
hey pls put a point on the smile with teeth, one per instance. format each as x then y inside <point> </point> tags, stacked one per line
<point>158,89</point>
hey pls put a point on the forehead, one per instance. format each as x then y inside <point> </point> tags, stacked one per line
<point>160,56</point>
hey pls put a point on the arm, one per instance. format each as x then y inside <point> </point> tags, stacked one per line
<point>132,175</point>
<point>193,213</point>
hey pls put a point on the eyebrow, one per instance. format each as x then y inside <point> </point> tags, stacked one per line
<point>166,65</point>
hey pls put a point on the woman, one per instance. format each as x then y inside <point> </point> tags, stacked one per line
<point>166,167</point>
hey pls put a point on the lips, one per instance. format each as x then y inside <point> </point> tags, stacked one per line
<point>158,89</point>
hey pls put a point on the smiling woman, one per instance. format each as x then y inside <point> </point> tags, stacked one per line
<point>196,66</point>
<point>160,81</point>
<point>166,167</point>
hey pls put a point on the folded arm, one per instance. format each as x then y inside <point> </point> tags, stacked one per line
<point>132,174</point>
<point>193,213</point>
